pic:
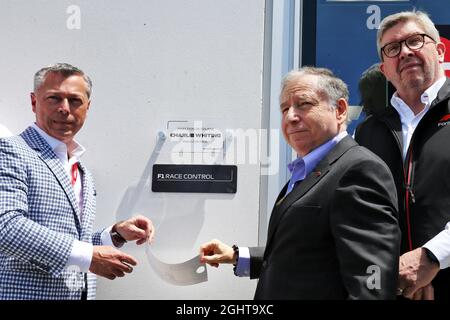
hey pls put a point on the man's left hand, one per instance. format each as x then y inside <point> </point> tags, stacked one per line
<point>138,228</point>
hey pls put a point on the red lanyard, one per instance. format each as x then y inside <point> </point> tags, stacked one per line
<point>74,173</point>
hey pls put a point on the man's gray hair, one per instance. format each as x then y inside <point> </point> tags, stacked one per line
<point>329,85</point>
<point>64,69</point>
<point>421,18</point>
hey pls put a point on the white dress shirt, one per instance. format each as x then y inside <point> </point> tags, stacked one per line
<point>81,254</point>
<point>440,244</point>
<point>407,117</point>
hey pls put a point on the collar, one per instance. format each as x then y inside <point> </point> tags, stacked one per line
<point>302,166</point>
<point>60,148</point>
<point>427,97</point>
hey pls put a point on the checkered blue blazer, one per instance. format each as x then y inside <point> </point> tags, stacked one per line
<point>39,220</point>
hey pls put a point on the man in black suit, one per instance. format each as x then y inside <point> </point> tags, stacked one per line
<point>333,232</point>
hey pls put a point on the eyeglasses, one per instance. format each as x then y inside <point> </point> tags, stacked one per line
<point>414,42</point>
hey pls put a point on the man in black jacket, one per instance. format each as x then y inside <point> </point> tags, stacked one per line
<point>333,232</point>
<point>413,138</point>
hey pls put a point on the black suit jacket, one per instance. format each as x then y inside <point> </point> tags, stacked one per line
<point>335,236</point>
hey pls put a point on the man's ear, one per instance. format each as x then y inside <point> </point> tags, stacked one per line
<point>33,101</point>
<point>382,68</point>
<point>440,47</point>
<point>341,110</point>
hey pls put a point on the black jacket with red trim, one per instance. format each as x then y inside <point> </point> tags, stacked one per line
<point>424,202</point>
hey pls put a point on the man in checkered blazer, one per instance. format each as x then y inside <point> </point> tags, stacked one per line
<point>48,249</point>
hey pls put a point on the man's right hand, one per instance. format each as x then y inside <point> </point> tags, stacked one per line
<point>216,252</point>
<point>111,263</point>
<point>416,271</point>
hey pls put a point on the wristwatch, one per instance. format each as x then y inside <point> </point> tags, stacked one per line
<point>431,256</point>
<point>117,238</point>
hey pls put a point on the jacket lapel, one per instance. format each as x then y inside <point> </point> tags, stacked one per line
<point>321,170</point>
<point>46,154</point>
<point>286,201</point>
<point>443,94</point>
<point>87,198</point>
<point>392,118</point>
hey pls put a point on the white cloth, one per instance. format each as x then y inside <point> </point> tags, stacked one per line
<point>81,254</point>
<point>440,246</point>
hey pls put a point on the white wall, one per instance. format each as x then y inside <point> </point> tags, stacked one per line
<point>150,61</point>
